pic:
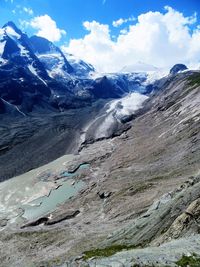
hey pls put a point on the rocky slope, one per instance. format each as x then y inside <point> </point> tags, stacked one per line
<point>139,205</point>
<point>46,95</point>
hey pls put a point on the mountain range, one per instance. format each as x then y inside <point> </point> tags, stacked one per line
<point>43,77</point>
<point>96,169</point>
<point>41,89</point>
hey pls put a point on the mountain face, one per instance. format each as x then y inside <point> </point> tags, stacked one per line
<point>36,75</point>
<point>51,56</point>
<point>81,68</point>
<point>17,50</point>
<point>23,78</point>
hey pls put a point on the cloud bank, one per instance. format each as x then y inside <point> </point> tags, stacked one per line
<point>161,39</point>
<point>46,27</point>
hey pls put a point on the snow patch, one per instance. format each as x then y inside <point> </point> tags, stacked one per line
<point>112,114</point>
<point>2,45</point>
<point>118,109</point>
<point>105,126</point>
<point>127,105</point>
<point>139,67</point>
<point>2,32</point>
<point>12,33</point>
<point>54,63</point>
<point>82,68</point>
<point>145,78</point>
<point>23,51</point>
<point>33,70</point>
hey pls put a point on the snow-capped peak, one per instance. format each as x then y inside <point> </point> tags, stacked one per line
<point>11,30</point>
<point>81,68</point>
<point>139,67</point>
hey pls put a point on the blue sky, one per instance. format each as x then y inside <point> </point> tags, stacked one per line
<point>112,33</point>
<point>70,14</point>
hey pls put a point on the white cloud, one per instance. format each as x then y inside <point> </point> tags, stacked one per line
<point>119,22</point>
<point>28,10</point>
<point>47,28</point>
<point>20,10</point>
<point>124,31</point>
<point>161,39</point>
<point>95,46</point>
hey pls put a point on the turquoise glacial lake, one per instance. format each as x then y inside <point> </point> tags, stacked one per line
<point>46,204</point>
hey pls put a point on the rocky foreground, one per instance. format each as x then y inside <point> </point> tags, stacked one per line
<point>140,205</point>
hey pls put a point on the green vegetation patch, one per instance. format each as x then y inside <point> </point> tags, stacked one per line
<point>194,79</point>
<point>189,261</point>
<point>106,252</point>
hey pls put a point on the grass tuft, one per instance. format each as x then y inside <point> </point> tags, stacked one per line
<point>194,80</point>
<point>189,261</point>
<point>106,252</point>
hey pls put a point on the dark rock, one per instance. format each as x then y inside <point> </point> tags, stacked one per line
<point>36,222</point>
<point>56,218</point>
<point>104,195</point>
<point>177,68</point>
<point>3,222</point>
<point>62,217</point>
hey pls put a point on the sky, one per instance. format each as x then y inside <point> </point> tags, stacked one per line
<point>112,34</point>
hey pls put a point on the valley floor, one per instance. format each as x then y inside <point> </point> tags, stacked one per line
<point>140,189</point>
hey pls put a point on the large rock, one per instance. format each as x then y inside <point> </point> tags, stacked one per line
<point>177,68</point>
